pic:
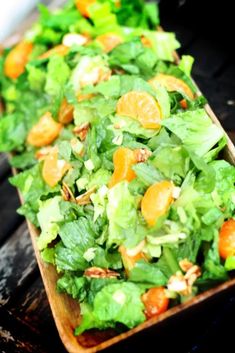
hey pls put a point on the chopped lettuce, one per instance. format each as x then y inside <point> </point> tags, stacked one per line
<point>145,272</point>
<point>186,64</point>
<point>57,75</point>
<point>12,132</point>
<point>163,43</point>
<point>114,303</point>
<point>122,214</point>
<point>48,217</point>
<point>195,129</point>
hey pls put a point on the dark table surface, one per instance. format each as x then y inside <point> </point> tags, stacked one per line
<point>26,323</point>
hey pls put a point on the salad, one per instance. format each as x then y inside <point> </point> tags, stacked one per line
<point>119,163</point>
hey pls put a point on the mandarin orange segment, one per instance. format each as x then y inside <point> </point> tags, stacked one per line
<point>123,160</point>
<point>17,59</point>
<point>66,110</point>
<point>109,41</point>
<point>156,201</point>
<point>44,132</point>
<point>130,261</point>
<point>142,107</point>
<point>60,49</point>
<point>83,6</point>
<point>85,96</point>
<point>54,169</point>
<point>227,239</point>
<point>155,302</point>
<point>172,83</point>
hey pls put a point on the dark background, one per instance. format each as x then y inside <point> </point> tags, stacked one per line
<point>206,30</point>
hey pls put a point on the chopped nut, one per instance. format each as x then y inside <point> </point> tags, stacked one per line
<point>98,272</point>
<point>177,283</point>
<point>43,152</point>
<point>71,39</point>
<point>182,284</point>
<point>185,265</point>
<point>142,154</point>
<point>192,274</point>
<point>67,193</point>
<point>85,199</point>
<point>81,131</point>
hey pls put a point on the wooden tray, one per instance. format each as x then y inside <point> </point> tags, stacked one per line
<point>66,311</point>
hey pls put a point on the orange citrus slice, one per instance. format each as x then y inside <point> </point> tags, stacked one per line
<point>156,201</point>
<point>109,41</point>
<point>44,132</point>
<point>17,59</point>
<point>54,169</point>
<point>60,49</point>
<point>123,159</point>
<point>65,112</point>
<point>172,83</point>
<point>83,6</point>
<point>142,107</point>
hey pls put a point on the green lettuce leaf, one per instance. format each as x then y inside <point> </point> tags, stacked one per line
<point>122,214</point>
<point>57,75</point>
<point>48,216</point>
<point>120,303</point>
<point>77,233</point>
<point>90,320</point>
<point>144,272</point>
<point>163,44</point>
<point>186,64</point>
<point>73,285</point>
<point>195,129</point>
<point>33,188</point>
<point>12,132</point>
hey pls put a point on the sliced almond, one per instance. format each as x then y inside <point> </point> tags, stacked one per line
<point>81,131</point>
<point>85,199</point>
<point>185,265</point>
<point>67,193</point>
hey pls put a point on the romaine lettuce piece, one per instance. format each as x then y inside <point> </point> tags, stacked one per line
<point>122,214</point>
<point>195,129</point>
<point>48,216</point>
<point>120,302</point>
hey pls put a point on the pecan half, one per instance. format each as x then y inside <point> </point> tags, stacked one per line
<point>81,131</point>
<point>182,284</point>
<point>192,274</point>
<point>98,272</point>
<point>185,265</point>
<point>85,199</point>
<point>142,154</point>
